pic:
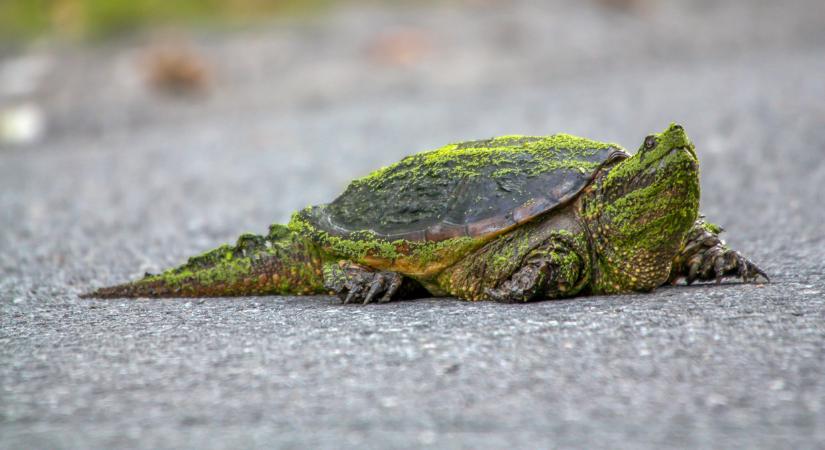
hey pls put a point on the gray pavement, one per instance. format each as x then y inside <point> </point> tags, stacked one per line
<point>127,181</point>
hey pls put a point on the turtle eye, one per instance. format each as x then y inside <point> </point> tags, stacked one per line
<point>650,142</point>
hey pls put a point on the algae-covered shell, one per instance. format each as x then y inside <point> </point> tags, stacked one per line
<point>474,189</point>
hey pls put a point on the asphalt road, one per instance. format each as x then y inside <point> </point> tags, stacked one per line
<point>127,181</point>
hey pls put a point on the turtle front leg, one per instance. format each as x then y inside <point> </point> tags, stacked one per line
<point>705,257</point>
<point>528,283</point>
<point>353,282</point>
<point>550,272</point>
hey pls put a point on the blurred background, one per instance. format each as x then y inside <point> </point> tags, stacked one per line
<point>220,116</point>
<point>136,133</point>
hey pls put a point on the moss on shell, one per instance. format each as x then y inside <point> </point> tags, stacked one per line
<point>508,154</point>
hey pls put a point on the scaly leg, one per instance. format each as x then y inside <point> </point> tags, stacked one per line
<point>525,285</point>
<point>553,271</point>
<point>705,257</point>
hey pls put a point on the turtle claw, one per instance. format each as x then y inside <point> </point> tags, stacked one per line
<point>350,297</point>
<point>693,272</point>
<point>376,286</point>
<point>749,272</point>
<point>356,284</point>
<point>705,257</point>
<point>718,262</point>
<point>729,263</point>
<point>392,289</point>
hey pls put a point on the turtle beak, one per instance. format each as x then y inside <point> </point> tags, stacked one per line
<point>692,152</point>
<point>687,149</point>
<point>678,132</point>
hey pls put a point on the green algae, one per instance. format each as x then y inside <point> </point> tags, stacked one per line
<point>639,213</point>
<point>558,242</point>
<point>464,183</point>
<point>511,255</point>
<point>280,262</point>
<point>666,141</point>
<point>711,227</point>
<point>507,155</point>
<point>364,247</point>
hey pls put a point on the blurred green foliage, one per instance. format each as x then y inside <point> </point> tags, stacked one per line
<point>96,19</point>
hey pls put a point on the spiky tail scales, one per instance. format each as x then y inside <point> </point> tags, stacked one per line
<point>281,262</point>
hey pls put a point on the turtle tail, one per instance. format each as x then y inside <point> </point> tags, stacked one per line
<point>280,263</point>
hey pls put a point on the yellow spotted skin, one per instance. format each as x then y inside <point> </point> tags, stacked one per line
<point>639,213</point>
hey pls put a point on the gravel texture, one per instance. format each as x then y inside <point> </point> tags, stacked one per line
<point>126,181</point>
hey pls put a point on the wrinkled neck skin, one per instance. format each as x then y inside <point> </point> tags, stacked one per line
<point>636,214</point>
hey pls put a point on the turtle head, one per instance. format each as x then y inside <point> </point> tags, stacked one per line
<point>639,210</point>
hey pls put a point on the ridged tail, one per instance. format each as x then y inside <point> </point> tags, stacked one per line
<point>281,262</point>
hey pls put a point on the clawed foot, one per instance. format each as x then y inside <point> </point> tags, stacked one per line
<point>705,257</point>
<point>719,262</point>
<point>353,283</point>
<point>523,286</point>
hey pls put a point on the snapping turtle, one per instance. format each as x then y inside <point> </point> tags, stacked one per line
<point>512,219</point>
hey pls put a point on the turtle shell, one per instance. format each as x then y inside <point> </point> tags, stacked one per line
<point>475,188</point>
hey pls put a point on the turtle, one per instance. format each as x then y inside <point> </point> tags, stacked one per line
<point>510,219</point>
